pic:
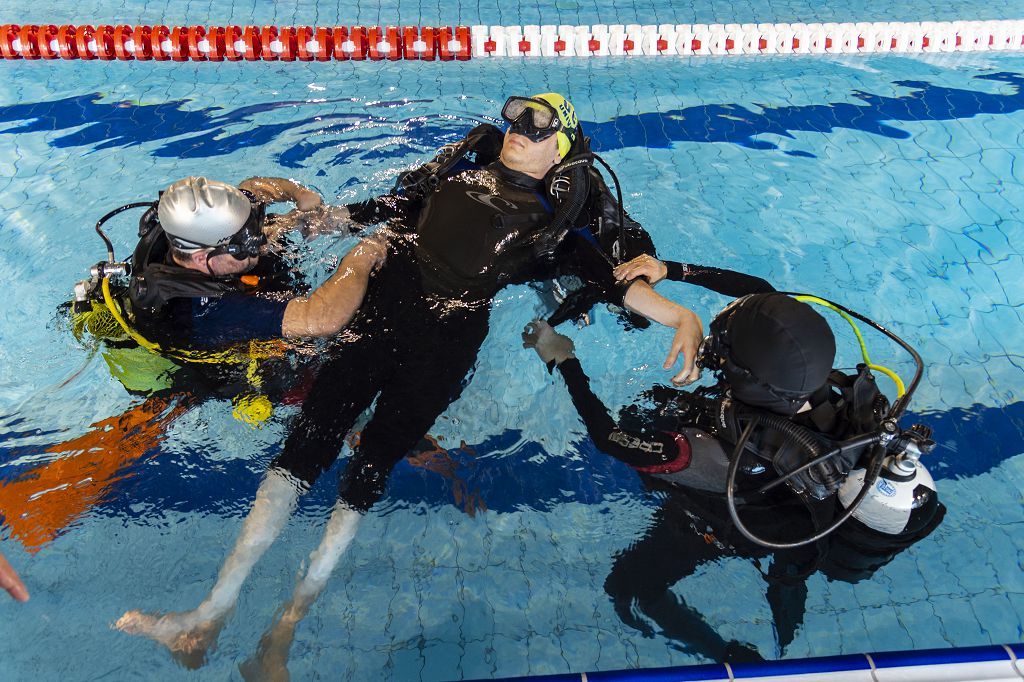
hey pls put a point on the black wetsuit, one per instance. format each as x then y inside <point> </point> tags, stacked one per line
<point>249,312</point>
<point>186,319</point>
<point>424,317</point>
<point>693,526</point>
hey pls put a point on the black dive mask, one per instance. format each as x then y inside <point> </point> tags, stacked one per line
<point>714,349</point>
<point>246,243</point>
<point>534,119</point>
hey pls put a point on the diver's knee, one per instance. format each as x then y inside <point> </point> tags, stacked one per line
<point>281,486</point>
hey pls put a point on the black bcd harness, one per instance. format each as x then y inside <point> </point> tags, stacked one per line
<point>846,407</point>
<point>568,184</point>
<point>154,282</point>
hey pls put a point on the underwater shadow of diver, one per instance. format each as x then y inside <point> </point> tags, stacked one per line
<point>214,131</point>
<point>971,442</point>
<point>740,125</point>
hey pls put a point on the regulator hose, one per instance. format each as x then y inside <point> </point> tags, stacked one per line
<point>870,476</point>
<point>99,225</point>
<point>579,188</point>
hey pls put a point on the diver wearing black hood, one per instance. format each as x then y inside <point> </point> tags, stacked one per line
<point>774,357</point>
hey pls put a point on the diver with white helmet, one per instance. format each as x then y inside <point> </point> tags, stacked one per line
<point>784,456</point>
<point>199,309</point>
<point>202,276</point>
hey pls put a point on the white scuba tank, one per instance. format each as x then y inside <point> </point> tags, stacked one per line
<point>903,486</point>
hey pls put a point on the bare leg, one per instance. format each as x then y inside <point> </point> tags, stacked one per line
<point>189,634</point>
<point>271,659</point>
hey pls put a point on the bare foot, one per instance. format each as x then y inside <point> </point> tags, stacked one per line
<point>270,663</point>
<point>186,637</point>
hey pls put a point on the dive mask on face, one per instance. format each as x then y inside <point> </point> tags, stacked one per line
<point>534,119</point>
<point>246,243</point>
<point>714,348</point>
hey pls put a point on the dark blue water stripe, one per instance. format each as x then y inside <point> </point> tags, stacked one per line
<point>696,673</point>
<point>971,442</point>
<point>821,665</point>
<point>213,131</point>
<point>567,677</point>
<point>804,666</point>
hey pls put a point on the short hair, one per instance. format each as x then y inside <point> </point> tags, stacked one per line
<point>179,254</point>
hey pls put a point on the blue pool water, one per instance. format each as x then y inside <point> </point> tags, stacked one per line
<point>892,184</point>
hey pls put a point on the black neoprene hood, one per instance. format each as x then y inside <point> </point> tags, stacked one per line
<point>778,351</point>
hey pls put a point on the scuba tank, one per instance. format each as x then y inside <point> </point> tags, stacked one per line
<point>904,492</point>
<point>856,451</point>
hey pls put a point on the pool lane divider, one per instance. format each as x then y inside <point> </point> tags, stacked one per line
<point>998,663</point>
<point>123,42</point>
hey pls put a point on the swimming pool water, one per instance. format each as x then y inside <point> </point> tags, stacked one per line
<point>893,184</point>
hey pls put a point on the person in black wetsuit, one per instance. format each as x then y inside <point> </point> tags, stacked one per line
<point>778,359</point>
<point>202,276</point>
<point>197,314</point>
<point>528,206</point>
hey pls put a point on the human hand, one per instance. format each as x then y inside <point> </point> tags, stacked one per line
<point>689,333</point>
<point>549,344</point>
<point>642,266</point>
<point>10,581</point>
<point>311,223</point>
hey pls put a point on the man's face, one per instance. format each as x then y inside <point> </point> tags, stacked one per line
<point>533,158</point>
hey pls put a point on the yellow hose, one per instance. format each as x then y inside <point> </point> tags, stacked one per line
<point>115,310</point>
<point>900,388</point>
<point>251,408</point>
<point>256,350</point>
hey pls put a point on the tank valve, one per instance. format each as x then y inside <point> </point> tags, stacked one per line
<point>107,269</point>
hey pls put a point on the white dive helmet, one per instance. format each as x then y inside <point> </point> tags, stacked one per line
<point>197,213</point>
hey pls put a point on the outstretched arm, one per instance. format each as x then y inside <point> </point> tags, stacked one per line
<point>311,216</point>
<point>595,267</point>
<point>10,581</point>
<point>653,451</point>
<point>641,298</point>
<point>727,282</point>
<point>328,309</point>
<point>271,190</point>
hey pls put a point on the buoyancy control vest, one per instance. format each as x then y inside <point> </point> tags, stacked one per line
<point>568,184</point>
<point>848,405</point>
<point>475,232</point>
<point>582,204</point>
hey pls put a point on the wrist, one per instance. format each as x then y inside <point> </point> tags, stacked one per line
<point>307,201</point>
<point>680,316</point>
<point>676,272</point>
<point>558,360</point>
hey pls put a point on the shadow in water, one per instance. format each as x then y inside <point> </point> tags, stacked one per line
<point>91,121</point>
<point>972,441</point>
